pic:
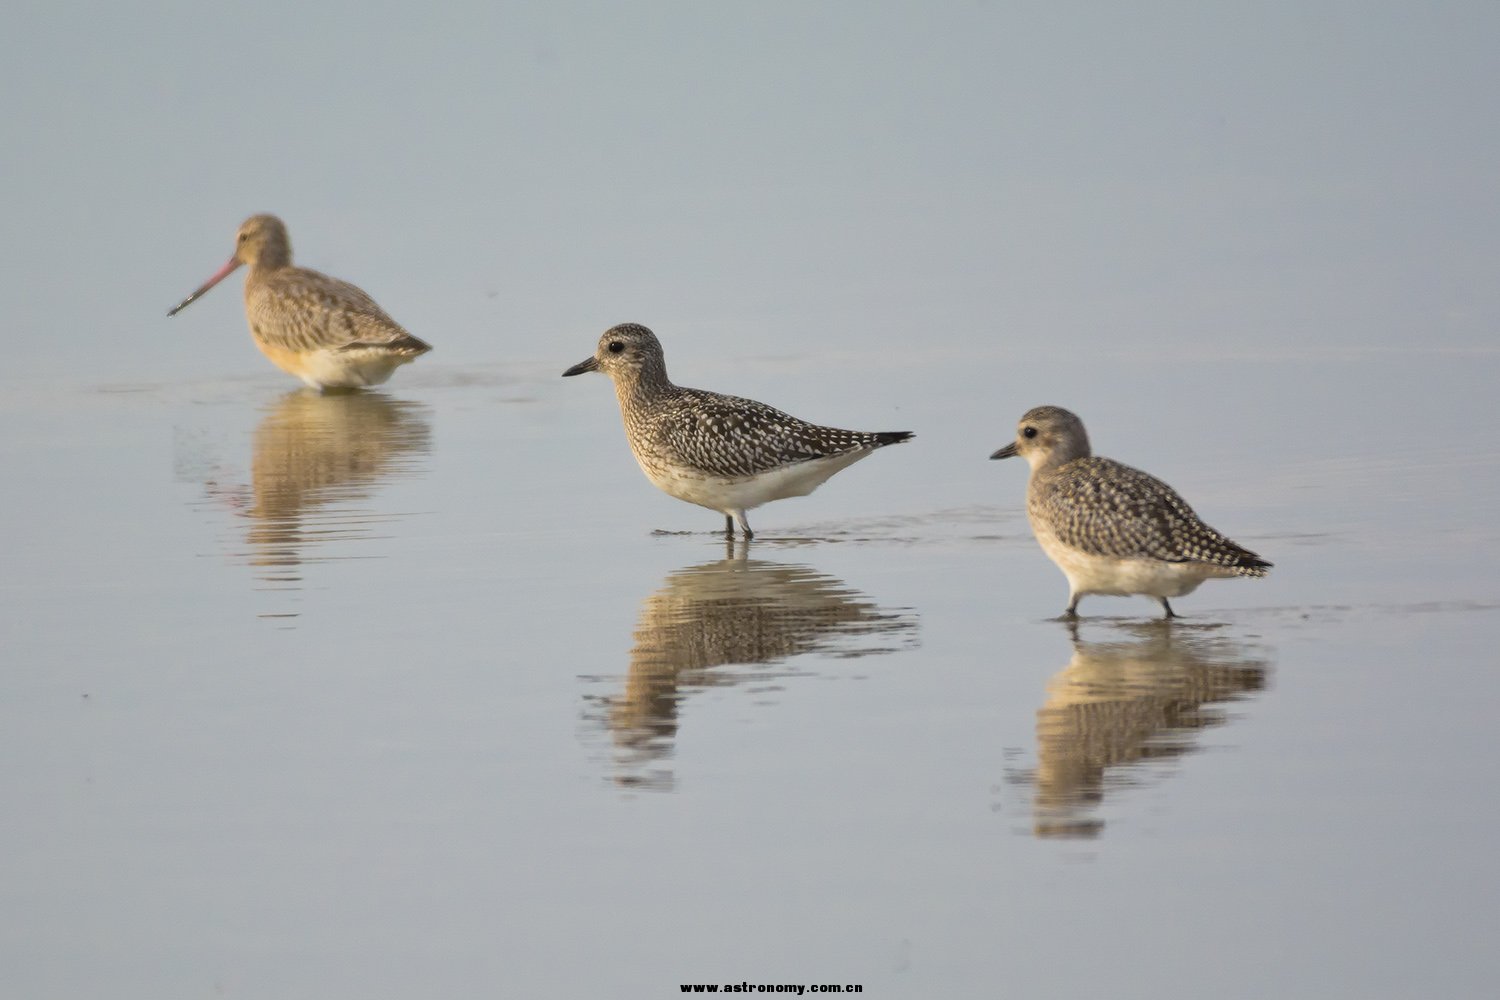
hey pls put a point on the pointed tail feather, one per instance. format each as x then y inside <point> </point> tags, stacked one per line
<point>1251,564</point>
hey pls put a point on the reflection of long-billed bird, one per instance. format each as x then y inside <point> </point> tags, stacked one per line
<point>735,611</point>
<point>314,458</point>
<point>1127,701</point>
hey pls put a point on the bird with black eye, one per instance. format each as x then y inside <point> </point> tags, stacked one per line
<point>1113,529</point>
<point>722,452</point>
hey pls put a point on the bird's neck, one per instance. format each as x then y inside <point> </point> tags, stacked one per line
<point>272,258</point>
<point>645,386</point>
<point>1055,460</point>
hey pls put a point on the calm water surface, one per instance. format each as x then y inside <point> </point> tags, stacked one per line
<point>426,692</point>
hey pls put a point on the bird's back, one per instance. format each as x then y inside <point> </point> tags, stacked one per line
<point>730,437</point>
<point>298,310</point>
<point>1105,508</point>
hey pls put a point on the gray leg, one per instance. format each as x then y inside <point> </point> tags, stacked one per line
<point>739,516</point>
<point>1072,611</point>
<point>728,526</point>
<point>1168,608</point>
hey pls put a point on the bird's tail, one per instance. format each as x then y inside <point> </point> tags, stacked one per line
<point>1251,564</point>
<point>883,438</point>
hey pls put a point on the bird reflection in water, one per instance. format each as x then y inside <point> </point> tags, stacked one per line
<point>1125,702</point>
<point>315,460</point>
<point>740,611</point>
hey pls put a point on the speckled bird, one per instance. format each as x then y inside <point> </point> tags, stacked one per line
<point>1113,529</point>
<point>326,332</point>
<point>721,452</point>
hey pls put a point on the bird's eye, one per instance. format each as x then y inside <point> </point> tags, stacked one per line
<point>1028,432</point>
<point>616,346</point>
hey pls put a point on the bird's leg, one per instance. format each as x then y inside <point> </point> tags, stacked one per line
<point>1168,608</point>
<point>1072,611</point>
<point>728,526</point>
<point>739,516</point>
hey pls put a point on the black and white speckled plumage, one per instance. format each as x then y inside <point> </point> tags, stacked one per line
<point>729,437</point>
<point>723,452</point>
<point>1113,529</point>
<point>1106,508</point>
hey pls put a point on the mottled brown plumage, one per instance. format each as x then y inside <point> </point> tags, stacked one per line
<point>326,332</point>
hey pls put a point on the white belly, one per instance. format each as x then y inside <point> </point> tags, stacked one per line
<point>732,495</point>
<point>1091,574</point>
<point>348,369</point>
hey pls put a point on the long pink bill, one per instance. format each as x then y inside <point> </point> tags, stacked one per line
<point>219,276</point>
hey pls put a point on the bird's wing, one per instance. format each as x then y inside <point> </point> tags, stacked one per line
<point>306,310</point>
<point>1105,508</point>
<point>731,437</point>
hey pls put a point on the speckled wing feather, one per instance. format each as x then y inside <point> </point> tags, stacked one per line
<point>306,310</point>
<point>730,437</point>
<point>1104,508</point>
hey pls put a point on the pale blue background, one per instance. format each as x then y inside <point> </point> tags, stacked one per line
<point>1152,176</point>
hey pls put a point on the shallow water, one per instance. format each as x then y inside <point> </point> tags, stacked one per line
<point>422,691</point>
